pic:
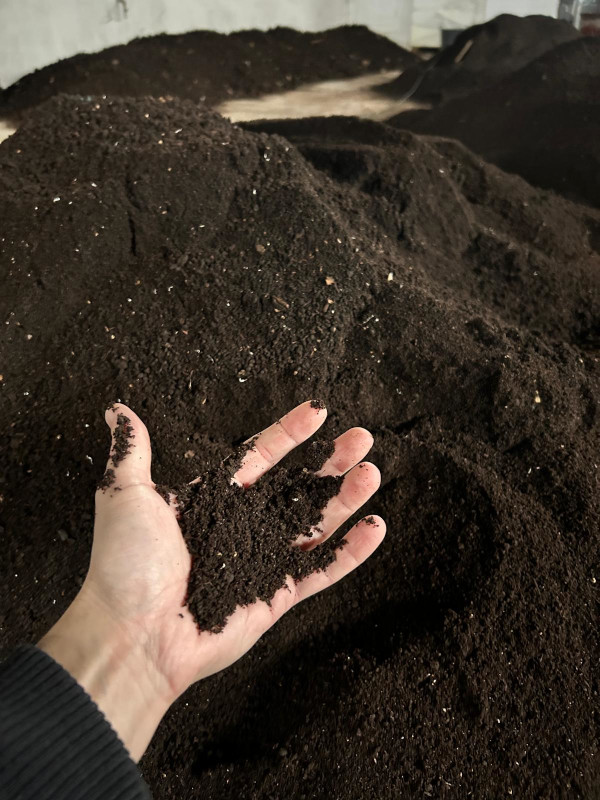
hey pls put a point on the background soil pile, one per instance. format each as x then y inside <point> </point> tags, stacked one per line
<point>480,56</point>
<point>542,122</point>
<point>155,254</point>
<point>209,67</point>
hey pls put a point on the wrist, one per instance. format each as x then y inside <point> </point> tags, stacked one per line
<point>113,666</point>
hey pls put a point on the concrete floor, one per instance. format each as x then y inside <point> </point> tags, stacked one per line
<point>348,97</point>
<point>5,130</point>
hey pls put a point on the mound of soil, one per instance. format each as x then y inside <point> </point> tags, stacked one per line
<point>210,67</point>
<point>542,122</point>
<point>211,277</point>
<point>481,56</point>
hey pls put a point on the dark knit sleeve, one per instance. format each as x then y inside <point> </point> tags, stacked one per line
<point>54,742</point>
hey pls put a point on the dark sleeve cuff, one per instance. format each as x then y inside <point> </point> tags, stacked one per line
<point>55,744</point>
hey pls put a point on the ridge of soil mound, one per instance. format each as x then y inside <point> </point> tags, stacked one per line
<point>542,122</point>
<point>209,67</point>
<point>480,56</point>
<point>433,196</point>
<point>211,277</point>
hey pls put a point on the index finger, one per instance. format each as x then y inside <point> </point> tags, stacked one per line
<point>276,441</point>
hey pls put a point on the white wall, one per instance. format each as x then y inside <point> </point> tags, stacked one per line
<point>521,8</point>
<point>430,16</point>
<point>392,18</point>
<point>34,33</point>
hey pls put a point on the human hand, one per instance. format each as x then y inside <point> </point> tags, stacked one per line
<point>127,638</point>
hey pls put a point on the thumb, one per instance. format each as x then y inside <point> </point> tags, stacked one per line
<point>130,455</point>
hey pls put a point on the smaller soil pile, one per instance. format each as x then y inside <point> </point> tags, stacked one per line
<point>241,540</point>
<point>543,122</point>
<point>209,67</point>
<point>481,56</point>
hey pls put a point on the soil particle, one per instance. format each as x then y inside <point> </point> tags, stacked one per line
<point>241,540</point>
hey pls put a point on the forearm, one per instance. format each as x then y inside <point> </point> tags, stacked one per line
<point>113,669</point>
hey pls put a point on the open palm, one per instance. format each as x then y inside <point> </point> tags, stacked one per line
<point>140,563</point>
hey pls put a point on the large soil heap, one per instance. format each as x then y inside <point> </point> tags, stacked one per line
<point>210,67</point>
<point>480,56</point>
<point>542,122</point>
<point>211,277</point>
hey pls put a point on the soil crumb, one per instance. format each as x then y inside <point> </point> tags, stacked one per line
<point>108,480</point>
<point>317,453</point>
<point>241,540</point>
<point>122,436</point>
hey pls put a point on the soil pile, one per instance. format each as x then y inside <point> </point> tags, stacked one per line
<point>542,122</point>
<point>480,56</point>
<point>212,277</point>
<point>210,67</point>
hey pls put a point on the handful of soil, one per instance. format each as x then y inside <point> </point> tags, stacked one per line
<point>242,540</point>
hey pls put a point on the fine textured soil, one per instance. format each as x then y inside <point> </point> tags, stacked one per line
<point>542,122</point>
<point>233,565</point>
<point>211,277</point>
<point>210,67</point>
<point>480,56</point>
